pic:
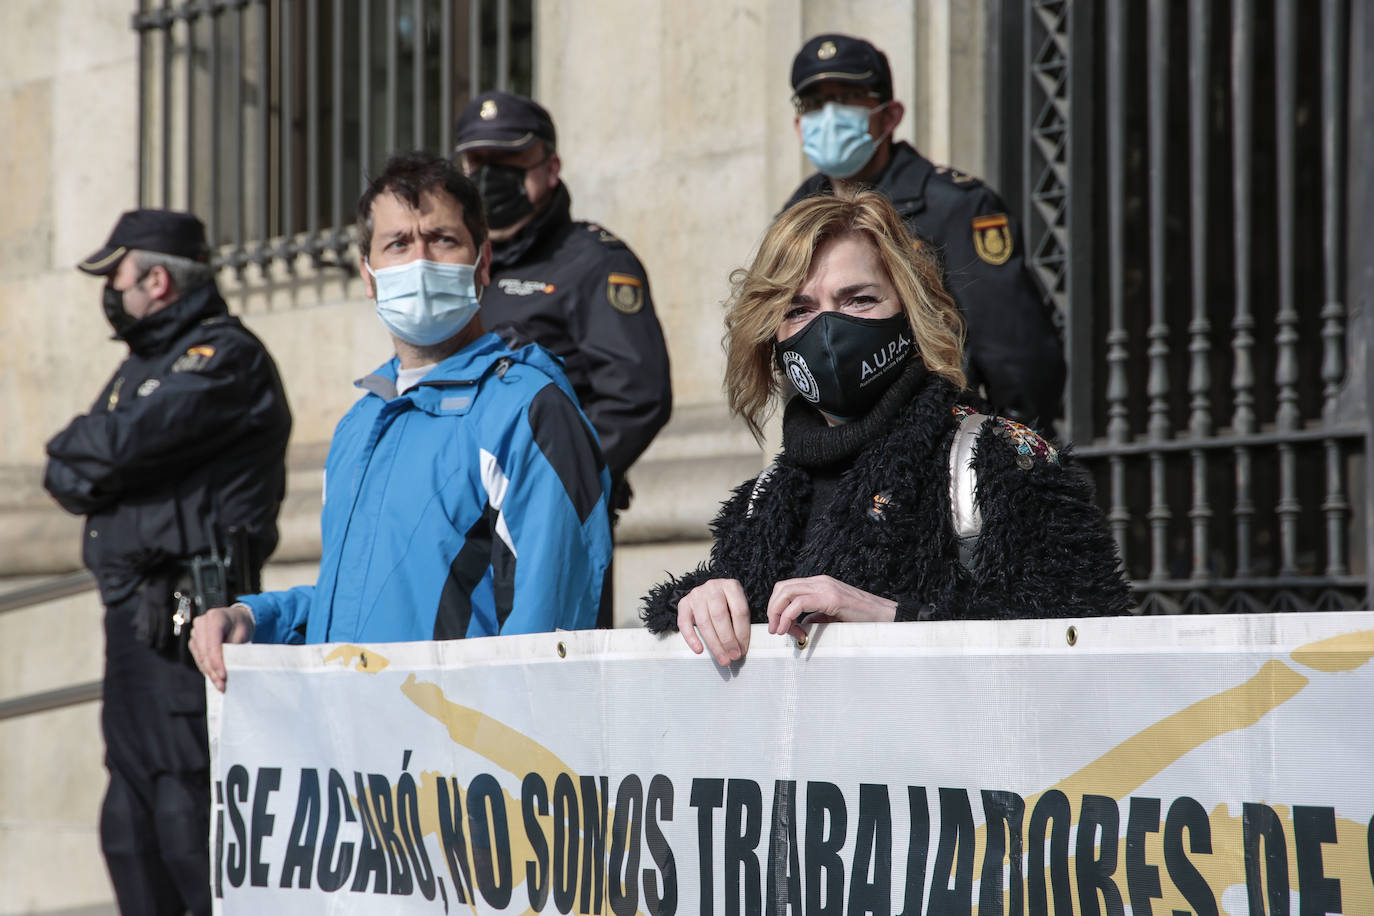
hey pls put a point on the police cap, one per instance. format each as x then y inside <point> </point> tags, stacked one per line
<point>502,121</point>
<point>842,58</point>
<point>164,231</point>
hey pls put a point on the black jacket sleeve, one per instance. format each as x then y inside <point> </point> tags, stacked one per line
<point>1045,550</point>
<point>1013,346</point>
<point>73,492</point>
<point>618,335</point>
<point>104,455</point>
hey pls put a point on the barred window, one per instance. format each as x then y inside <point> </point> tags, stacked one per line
<point>1183,172</point>
<point>265,117</point>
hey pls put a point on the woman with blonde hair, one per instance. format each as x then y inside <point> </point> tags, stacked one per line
<point>893,498</point>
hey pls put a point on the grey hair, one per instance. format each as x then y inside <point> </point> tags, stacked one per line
<point>187,275</point>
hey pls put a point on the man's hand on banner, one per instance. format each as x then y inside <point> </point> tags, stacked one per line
<point>821,599</point>
<point>718,610</point>
<point>211,630</point>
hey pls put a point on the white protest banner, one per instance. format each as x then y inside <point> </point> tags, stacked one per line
<point>1199,765</point>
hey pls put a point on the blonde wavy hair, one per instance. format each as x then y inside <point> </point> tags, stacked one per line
<point>762,294</point>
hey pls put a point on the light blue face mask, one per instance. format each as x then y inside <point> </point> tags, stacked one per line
<point>426,302</point>
<point>836,138</point>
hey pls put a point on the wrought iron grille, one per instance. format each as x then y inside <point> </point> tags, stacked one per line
<point>1182,173</point>
<point>264,117</point>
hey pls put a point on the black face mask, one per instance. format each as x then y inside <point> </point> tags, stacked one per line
<point>113,302</point>
<point>843,364</point>
<point>502,188</point>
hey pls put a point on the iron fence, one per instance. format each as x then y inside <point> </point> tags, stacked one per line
<point>1182,171</point>
<point>264,117</point>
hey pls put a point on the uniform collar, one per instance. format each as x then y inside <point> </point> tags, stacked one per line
<point>555,216</point>
<point>154,334</point>
<point>902,180</point>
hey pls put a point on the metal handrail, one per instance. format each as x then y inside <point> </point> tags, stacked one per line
<point>49,590</point>
<point>50,699</point>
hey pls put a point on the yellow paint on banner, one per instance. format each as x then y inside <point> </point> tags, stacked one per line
<point>1339,653</point>
<point>509,749</point>
<point>1140,758</point>
<point>369,662</point>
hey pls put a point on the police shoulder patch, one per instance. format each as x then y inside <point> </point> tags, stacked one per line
<point>625,292</point>
<point>957,177</point>
<point>992,238</point>
<point>194,359</point>
<point>1027,442</point>
<point>604,235</point>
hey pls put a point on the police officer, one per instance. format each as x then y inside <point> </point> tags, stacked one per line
<point>571,286</point>
<point>179,470</point>
<point>845,116</point>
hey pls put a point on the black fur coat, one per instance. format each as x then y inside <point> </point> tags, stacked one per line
<point>1044,548</point>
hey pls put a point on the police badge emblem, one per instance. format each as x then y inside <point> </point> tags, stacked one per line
<point>992,238</point>
<point>625,292</point>
<point>488,110</point>
<point>826,51</point>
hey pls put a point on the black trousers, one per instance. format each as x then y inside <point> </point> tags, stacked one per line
<point>155,820</point>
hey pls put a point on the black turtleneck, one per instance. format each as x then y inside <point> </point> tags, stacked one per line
<point>826,451</point>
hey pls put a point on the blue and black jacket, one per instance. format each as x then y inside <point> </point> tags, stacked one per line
<point>474,504</point>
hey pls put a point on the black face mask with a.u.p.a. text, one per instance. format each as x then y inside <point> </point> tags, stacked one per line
<point>842,364</point>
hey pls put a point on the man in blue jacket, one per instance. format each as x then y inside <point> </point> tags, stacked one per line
<point>465,493</point>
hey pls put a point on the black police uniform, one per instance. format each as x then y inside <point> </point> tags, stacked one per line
<point>577,290</point>
<point>1013,347</point>
<point>187,439</point>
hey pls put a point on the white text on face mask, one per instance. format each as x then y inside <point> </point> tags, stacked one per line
<point>883,358</point>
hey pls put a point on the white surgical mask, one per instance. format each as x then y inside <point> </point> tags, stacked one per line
<point>426,302</point>
<point>836,138</point>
